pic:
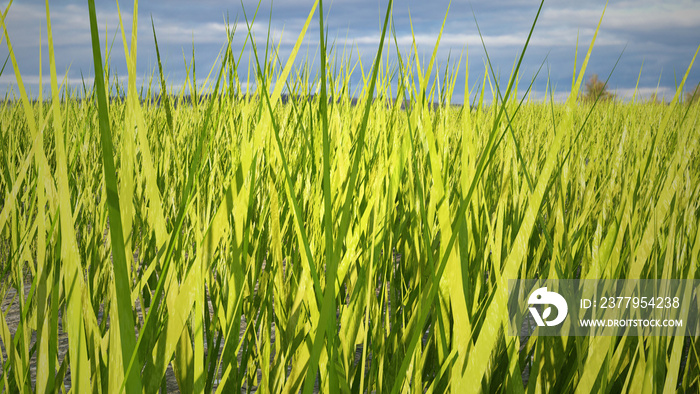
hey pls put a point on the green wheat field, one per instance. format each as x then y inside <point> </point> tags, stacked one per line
<point>303,236</point>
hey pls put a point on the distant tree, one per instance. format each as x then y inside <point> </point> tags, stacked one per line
<point>596,88</point>
<point>693,96</point>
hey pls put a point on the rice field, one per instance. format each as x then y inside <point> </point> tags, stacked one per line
<point>304,236</point>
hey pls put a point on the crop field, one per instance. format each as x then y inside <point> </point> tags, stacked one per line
<point>303,236</point>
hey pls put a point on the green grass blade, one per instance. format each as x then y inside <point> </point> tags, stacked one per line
<point>121,277</point>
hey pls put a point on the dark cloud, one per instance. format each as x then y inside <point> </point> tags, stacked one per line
<point>661,34</point>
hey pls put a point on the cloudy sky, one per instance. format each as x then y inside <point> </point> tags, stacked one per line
<point>661,36</point>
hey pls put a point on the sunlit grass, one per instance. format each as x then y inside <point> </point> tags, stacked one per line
<point>250,243</point>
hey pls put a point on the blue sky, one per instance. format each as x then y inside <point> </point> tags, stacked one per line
<point>661,35</point>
